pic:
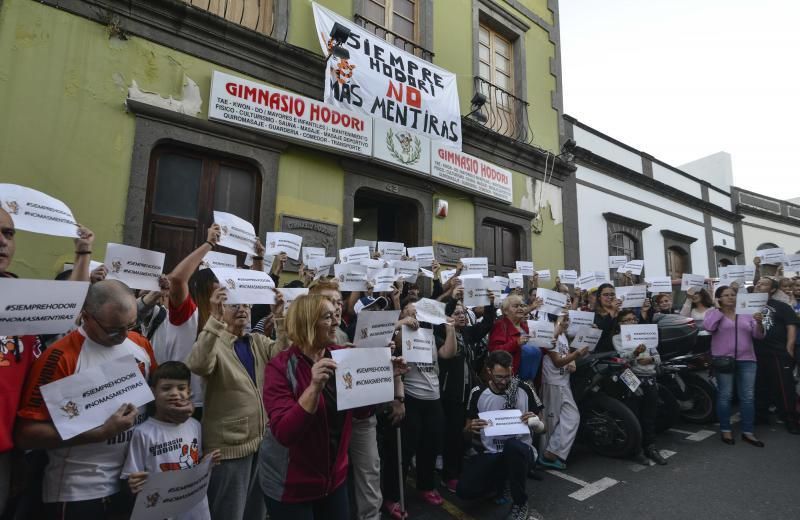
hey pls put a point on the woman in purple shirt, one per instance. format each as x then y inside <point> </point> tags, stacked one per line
<point>732,335</point>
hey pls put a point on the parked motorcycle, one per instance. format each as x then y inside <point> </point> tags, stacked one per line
<point>607,425</point>
<point>685,361</point>
<point>684,377</point>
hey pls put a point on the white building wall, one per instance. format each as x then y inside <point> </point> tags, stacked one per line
<point>753,237</point>
<point>723,201</point>
<point>610,183</point>
<point>724,240</point>
<point>593,229</point>
<point>610,151</point>
<point>676,180</point>
<point>724,225</point>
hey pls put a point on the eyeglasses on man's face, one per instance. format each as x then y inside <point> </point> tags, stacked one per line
<point>113,332</point>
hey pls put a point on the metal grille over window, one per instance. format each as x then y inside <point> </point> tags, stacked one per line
<point>253,14</point>
<point>503,112</point>
<point>396,22</point>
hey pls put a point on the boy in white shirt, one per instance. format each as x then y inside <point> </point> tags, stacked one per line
<point>562,418</point>
<point>164,442</point>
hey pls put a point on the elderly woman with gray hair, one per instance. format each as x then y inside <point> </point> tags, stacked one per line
<point>510,333</point>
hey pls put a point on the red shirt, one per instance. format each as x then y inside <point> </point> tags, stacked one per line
<point>505,336</point>
<point>17,354</point>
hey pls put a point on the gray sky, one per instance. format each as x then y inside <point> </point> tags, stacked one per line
<point>682,79</point>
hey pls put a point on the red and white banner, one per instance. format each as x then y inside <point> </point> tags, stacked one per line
<point>388,83</point>
<point>470,173</point>
<point>262,107</point>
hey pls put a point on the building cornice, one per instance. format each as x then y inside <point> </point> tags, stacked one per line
<point>678,237</point>
<point>745,209</point>
<point>625,221</point>
<point>617,171</point>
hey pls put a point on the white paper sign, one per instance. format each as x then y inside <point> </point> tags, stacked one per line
<point>84,400</point>
<point>364,376</point>
<point>360,242</point>
<point>524,268</point>
<point>423,255</point>
<point>418,345</point>
<point>431,311</point>
<point>544,275</point>
<point>591,281</point>
<point>392,250</point>
<point>568,276</point>
<point>309,253</point>
<point>634,267</point>
<point>137,268</point>
<point>476,291</point>
<point>246,286</point>
<point>352,277</point>
<point>579,319</point>
<point>445,275</point>
<point>383,279</point>
<point>750,303</point>
<point>615,262</point>
<point>632,296</point>
<point>39,306</point>
<point>290,294</point>
<point>791,263</point>
<point>215,260</point>
<point>750,272</point>
<point>772,256</point>
<point>541,330</point>
<point>553,302</point>
<point>475,266</point>
<point>407,270</point>
<point>635,335</point>
<point>354,254</point>
<point>515,280</point>
<point>659,284</point>
<point>587,337</point>
<point>695,281</point>
<point>424,272</point>
<point>503,422</point>
<point>375,328</point>
<point>321,266</point>
<point>237,233</point>
<point>279,242</point>
<point>38,212</point>
<point>169,494</point>
<point>732,273</point>
<point>501,283</point>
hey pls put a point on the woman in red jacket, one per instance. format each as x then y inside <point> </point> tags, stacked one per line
<point>305,427</point>
<point>303,457</point>
<point>511,332</point>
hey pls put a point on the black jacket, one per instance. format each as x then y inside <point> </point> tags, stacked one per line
<point>451,371</point>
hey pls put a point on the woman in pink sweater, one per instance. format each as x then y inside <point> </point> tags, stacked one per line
<point>732,337</point>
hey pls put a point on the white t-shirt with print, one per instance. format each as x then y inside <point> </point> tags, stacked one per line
<point>550,372</point>
<point>89,471</point>
<point>162,446</point>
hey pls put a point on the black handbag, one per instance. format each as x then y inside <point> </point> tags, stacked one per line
<point>727,364</point>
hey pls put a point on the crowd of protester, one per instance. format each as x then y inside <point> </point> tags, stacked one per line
<point>253,387</point>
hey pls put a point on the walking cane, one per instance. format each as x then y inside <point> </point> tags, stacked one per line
<point>400,471</point>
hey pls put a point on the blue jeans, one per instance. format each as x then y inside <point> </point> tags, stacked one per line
<point>529,363</point>
<point>745,388</point>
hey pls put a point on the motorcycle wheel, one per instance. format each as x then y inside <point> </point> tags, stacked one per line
<point>610,428</point>
<point>703,397</point>
<point>669,410</point>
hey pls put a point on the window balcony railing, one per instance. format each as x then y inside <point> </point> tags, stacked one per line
<point>503,112</point>
<point>394,38</point>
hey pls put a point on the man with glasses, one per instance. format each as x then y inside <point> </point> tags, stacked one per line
<point>81,479</point>
<point>17,353</point>
<point>505,459</point>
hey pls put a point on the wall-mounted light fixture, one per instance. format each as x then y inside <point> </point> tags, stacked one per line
<point>339,35</point>
<point>478,101</point>
<point>356,220</point>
